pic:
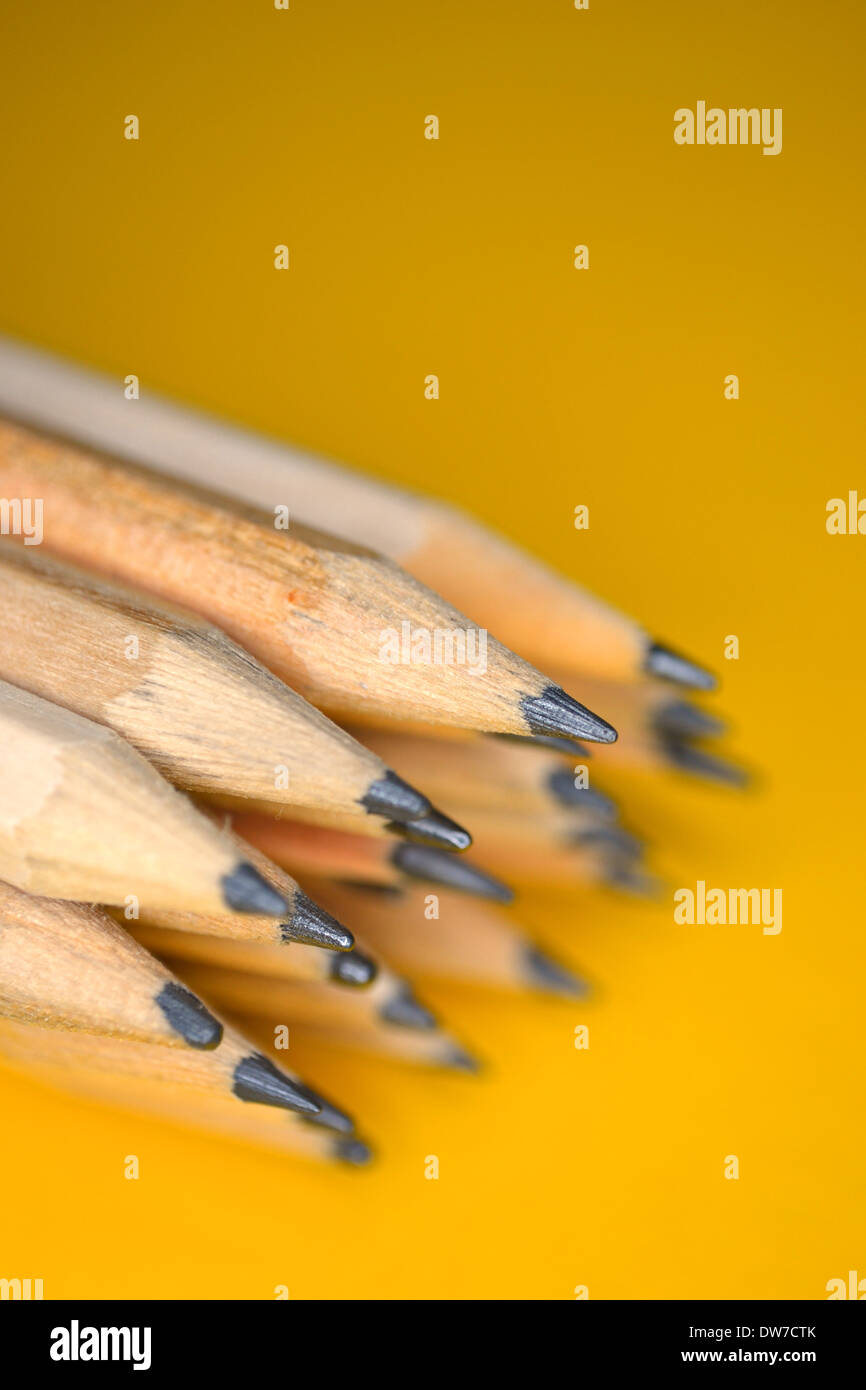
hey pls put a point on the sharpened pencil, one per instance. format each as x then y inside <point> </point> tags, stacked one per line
<point>355,969</point>
<point>303,921</point>
<point>659,733</point>
<point>347,628</point>
<point>66,965</point>
<point>203,711</point>
<point>533,609</point>
<point>233,1069</point>
<point>225,1116</point>
<point>86,817</point>
<point>237,974</point>
<point>427,1047</point>
<point>307,849</point>
<point>469,942</point>
<point>487,774</point>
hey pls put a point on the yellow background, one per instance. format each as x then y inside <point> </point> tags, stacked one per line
<point>410,257</point>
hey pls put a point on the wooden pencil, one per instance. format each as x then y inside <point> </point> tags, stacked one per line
<point>304,921</point>
<point>659,733</point>
<point>347,628</point>
<point>66,965</point>
<point>86,817</point>
<point>533,609</point>
<point>468,942</point>
<point>308,849</point>
<point>211,718</point>
<point>242,979</point>
<point>235,1069</point>
<point>225,1116</point>
<point>559,846</point>
<point>485,774</point>
<point>356,969</point>
<point>314,1020</point>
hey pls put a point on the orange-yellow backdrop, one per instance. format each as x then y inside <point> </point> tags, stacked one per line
<point>410,257</point>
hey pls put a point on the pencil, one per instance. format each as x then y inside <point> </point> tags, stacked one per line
<point>212,719</point>
<point>85,817</point>
<point>378,996</point>
<point>485,774</point>
<point>307,849</point>
<point>66,965</point>
<point>211,1115</point>
<point>235,1069</point>
<point>659,733</point>
<point>304,922</point>
<point>533,609</point>
<point>469,942</point>
<point>347,628</point>
<point>31,1052</point>
<point>260,1006</point>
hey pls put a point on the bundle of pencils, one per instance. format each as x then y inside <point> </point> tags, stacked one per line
<point>227,736</point>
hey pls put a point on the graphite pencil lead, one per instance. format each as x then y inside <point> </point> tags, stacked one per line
<point>329,1116</point>
<point>380,890</point>
<point>688,759</point>
<point>189,1017</point>
<point>390,796</point>
<point>458,1059</point>
<point>353,1151</point>
<point>246,890</point>
<point>257,1079</point>
<point>571,746</point>
<point>434,829</point>
<point>671,666</point>
<point>311,925</point>
<point>633,881</point>
<point>353,968</point>
<point>406,1011</point>
<point>561,784</point>
<point>610,837</point>
<point>554,712</point>
<point>550,975</point>
<point>435,866</point>
<point>681,719</point>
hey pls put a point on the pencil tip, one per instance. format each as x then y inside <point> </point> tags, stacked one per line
<point>353,1151</point>
<point>406,1011</point>
<point>435,866</point>
<point>555,712</point>
<point>257,1079</point>
<point>392,797</point>
<point>571,746</point>
<point>458,1059</point>
<point>683,720</point>
<point>671,666</point>
<point>434,829</point>
<point>701,764</point>
<point>561,784</point>
<point>550,975</point>
<point>633,881</point>
<point>246,890</point>
<point>329,1116</point>
<point>311,925</point>
<point>610,837</point>
<point>353,968</point>
<point>188,1016</point>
